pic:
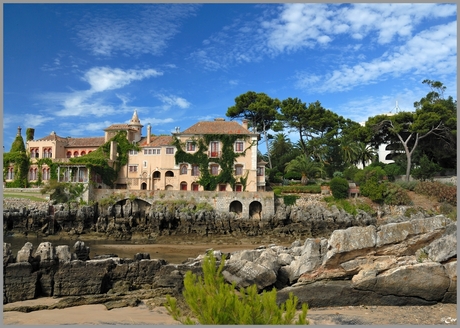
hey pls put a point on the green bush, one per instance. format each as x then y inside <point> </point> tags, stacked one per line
<point>348,206</point>
<point>290,199</point>
<point>339,187</point>
<point>408,185</point>
<point>371,184</point>
<point>425,170</point>
<point>215,302</point>
<point>395,195</point>
<point>442,192</point>
<point>349,172</point>
<point>392,170</point>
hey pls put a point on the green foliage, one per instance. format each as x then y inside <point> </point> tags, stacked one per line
<point>305,166</point>
<point>337,174</point>
<point>395,195</point>
<point>18,145</point>
<point>339,187</point>
<point>348,206</point>
<point>215,302</point>
<point>349,172</point>
<point>392,170</point>
<point>425,170</point>
<point>21,163</point>
<point>442,192</point>
<point>97,160</point>
<point>290,199</point>
<point>200,158</point>
<point>64,192</point>
<point>408,185</point>
<point>370,181</point>
<point>30,134</point>
<point>298,189</point>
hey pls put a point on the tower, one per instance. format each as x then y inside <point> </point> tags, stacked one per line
<point>135,124</point>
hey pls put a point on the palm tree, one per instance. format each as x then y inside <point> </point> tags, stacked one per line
<point>350,150</point>
<point>304,166</point>
<point>365,153</point>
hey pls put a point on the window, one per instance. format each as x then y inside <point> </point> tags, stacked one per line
<point>195,186</point>
<point>144,163</point>
<point>238,187</point>
<point>156,151</point>
<point>183,185</point>
<point>69,154</point>
<point>132,168</point>
<point>260,171</point>
<point>10,175</point>
<point>170,150</point>
<point>222,187</point>
<point>214,169</point>
<point>33,174</point>
<point>46,173</point>
<point>75,154</point>
<point>133,152</point>
<point>195,170</point>
<point>83,153</point>
<point>190,146</point>
<point>238,169</point>
<point>239,146</point>
<point>214,152</point>
<point>183,169</point>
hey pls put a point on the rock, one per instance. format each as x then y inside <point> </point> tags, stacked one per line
<point>81,251</point>
<point>451,271</point>
<point>344,245</point>
<point>444,248</point>
<point>245,273</point>
<point>63,253</point>
<point>45,252</point>
<point>25,253</point>
<point>426,281</point>
<point>8,256</point>
<point>20,282</point>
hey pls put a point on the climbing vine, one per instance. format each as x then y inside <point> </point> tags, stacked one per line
<point>225,161</point>
<point>19,158</point>
<point>97,161</point>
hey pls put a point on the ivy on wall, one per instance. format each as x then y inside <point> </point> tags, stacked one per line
<point>98,160</point>
<point>225,161</point>
<point>19,158</point>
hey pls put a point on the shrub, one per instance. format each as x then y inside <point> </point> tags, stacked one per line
<point>290,199</point>
<point>426,169</point>
<point>395,195</point>
<point>337,174</point>
<point>392,170</point>
<point>408,185</point>
<point>370,182</point>
<point>339,187</point>
<point>349,172</point>
<point>213,301</point>
<point>442,192</point>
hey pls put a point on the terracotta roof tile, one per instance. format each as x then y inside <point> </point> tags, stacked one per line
<point>118,127</point>
<point>86,142</point>
<point>216,127</point>
<point>51,137</point>
<point>156,141</point>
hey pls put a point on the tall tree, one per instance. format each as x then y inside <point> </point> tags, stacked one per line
<point>260,110</point>
<point>434,116</point>
<point>305,166</point>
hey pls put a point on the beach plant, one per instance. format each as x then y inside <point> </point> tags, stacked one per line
<point>213,301</point>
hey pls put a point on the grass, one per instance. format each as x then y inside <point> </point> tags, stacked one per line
<point>35,197</point>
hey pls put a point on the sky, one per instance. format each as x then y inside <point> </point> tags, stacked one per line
<point>78,68</point>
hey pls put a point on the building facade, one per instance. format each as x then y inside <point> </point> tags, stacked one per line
<point>154,165</point>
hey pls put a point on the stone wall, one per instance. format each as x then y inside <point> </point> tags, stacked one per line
<point>219,200</point>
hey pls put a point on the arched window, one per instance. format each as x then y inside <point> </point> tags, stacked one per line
<point>75,154</point>
<point>10,175</point>
<point>69,154</point>
<point>169,174</point>
<point>83,153</point>
<point>195,186</point>
<point>33,174</point>
<point>183,185</point>
<point>183,169</point>
<point>46,173</point>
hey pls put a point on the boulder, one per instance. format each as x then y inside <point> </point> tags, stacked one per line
<point>451,271</point>
<point>63,253</point>
<point>45,252</point>
<point>246,273</point>
<point>25,253</point>
<point>444,248</point>
<point>81,251</point>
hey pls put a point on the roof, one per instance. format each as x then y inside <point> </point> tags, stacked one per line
<point>156,141</point>
<point>51,137</point>
<point>119,127</point>
<point>85,142</point>
<point>216,127</point>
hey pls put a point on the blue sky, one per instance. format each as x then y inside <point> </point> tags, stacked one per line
<point>78,68</point>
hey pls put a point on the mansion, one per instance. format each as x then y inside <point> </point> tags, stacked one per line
<point>154,165</point>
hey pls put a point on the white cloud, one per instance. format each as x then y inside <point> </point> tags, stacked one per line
<point>432,50</point>
<point>172,101</point>
<point>144,29</point>
<point>106,78</point>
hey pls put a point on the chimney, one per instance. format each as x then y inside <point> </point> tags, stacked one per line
<point>113,150</point>
<point>149,132</point>
<point>245,123</point>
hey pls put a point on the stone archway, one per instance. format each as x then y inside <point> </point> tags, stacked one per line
<point>156,180</point>
<point>255,210</point>
<point>143,186</point>
<point>236,207</point>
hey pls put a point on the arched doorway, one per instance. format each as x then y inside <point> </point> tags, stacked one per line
<point>156,180</point>
<point>169,187</point>
<point>236,207</point>
<point>144,186</point>
<point>255,210</point>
